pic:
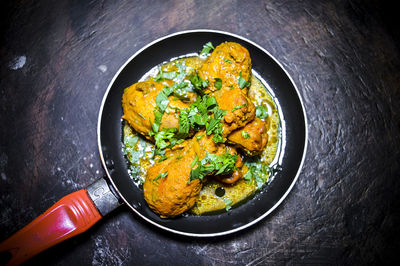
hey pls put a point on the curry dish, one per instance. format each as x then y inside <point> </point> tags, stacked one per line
<point>200,132</point>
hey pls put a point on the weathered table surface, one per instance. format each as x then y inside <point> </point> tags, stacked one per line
<point>57,58</point>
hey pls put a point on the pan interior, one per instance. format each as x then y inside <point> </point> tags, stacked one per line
<point>110,135</point>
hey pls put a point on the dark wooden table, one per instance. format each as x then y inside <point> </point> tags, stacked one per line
<point>58,57</point>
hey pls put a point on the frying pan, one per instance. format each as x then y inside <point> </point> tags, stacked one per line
<point>76,212</point>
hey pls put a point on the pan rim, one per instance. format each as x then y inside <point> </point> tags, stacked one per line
<point>182,232</point>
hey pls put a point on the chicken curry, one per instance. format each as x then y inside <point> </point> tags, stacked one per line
<point>201,132</point>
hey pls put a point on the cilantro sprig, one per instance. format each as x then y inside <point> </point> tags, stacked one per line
<point>218,83</point>
<point>259,172</point>
<point>213,164</point>
<point>161,175</point>
<point>261,112</point>
<point>203,113</point>
<point>207,48</point>
<point>178,75</point>
<point>228,203</point>
<point>239,106</point>
<point>198,83</point>
<point>242,82</point>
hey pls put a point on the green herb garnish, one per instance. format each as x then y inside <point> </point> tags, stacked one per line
<point>198,83</point>
<point>162,99</point>
<point>164,75</point>
<point>204,112</point>
<point>164,138</point>
<point>228,61</point>
<point>163,158</point>
<point>261,112</point>
<point>194,162</point>
<point>242,82</point>
<point>239,106</point>
<point>161,175</point>
<point>184,123</point>
<point>245,134</point>
<point>181,72</point>
<point>212,163</point>
<point>179,75</point>
<point>162,102</point>
<point>199,137</point>
<point>207,48</point>
<point>228,204</point>
<point>257,172</point>
<point>218,83</point>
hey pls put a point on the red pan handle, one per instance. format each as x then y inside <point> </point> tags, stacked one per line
<point>70,216</point>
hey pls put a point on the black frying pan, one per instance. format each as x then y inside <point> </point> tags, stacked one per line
<point>294,135</point>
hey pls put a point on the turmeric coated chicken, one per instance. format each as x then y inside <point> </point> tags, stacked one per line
<point>229,62</point>
<point>240,110</point>
<point>207,145</point>
<point>171,194</point>
<point>139,103</point>
<point>252,138</point>
<point>167,188</point>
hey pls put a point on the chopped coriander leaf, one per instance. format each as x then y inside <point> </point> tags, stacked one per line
<point>242,82</point>
<point>156,152</point>
<point>194,162</point>
<point>161,175</point>
<point>239,106</point>
<point>203,106</point>
<point>130,141</point>
<point>164,75</point>
<point>180,97</point>
<point>215,123</point>
<point>218,138</point>
<point>184,123</point>
<point>179,157</point>
<point>174,141</point>
<point>207,48</point>
<point>261,112</point>
<point>198,83</point>
<point>257,172</point>
<point>218,83</point>
<point>196,120</point>
<point>169,75</point>
<point>199,137</point>
<point>228,204</point>
<point>157,121</point>
<point>204,112</point>
<point>245,134</point>
<point>164,138</point>
<point>181,72</point>
<point>162,100</point>
<point>231,87</point>
<point>163,158</point>
<point>142,116</point>
<point>212,163</point>
<point>228,61</point>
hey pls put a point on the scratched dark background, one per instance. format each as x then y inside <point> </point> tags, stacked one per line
<point>57,58</point>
